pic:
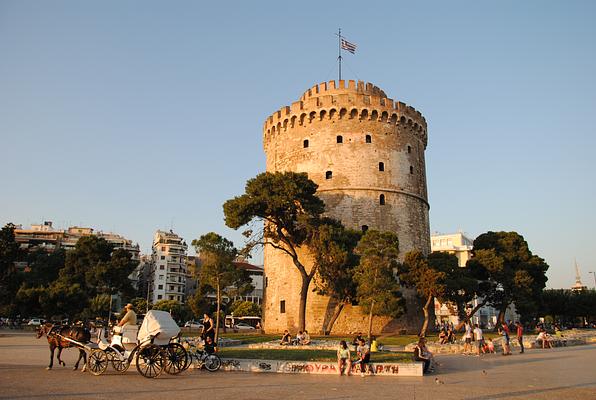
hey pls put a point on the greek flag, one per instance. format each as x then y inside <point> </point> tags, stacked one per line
<point>345,45</point>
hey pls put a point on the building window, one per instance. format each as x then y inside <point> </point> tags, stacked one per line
<point>282,307</point>
<point>159,297</point>
<point>340,139</point>
<point>382,199</point>
<point>409,149</point>
<point>163,257</point>
<point>411,169</point>
<point>171,287</point>
<point>364,228</point>
<point>159,287</point>
<point>163,248</point>
<point>368,139</point>
<point>328,175</point>
<point>305,143</point>
<point>266,281</point>
<point>381,167</point>
<point>161,267</point>
<point>161,277</point>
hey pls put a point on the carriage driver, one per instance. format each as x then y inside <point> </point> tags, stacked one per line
<point>130,318</point>
<point>128,325</point>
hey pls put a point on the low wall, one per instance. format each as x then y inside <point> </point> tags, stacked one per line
<point>316,367</point>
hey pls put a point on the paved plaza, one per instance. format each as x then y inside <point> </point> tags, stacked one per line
<point>565,373</point>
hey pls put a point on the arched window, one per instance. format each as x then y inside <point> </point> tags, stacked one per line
<point>305,143</point>
<point>409,149</point>
<point>411,169</point>
<point>381,166</point>
<point>382,199</point>
<point>368,139</point>
<point>364,228</point>
<point>340,139</point>
<point>328,174</point>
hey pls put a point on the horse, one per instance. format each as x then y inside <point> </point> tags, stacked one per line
<point>78,333</point>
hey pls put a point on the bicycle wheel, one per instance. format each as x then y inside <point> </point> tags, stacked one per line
<point>212,362</point>
<point>97,362</point>
<point>150,361</point>
<point>176,359</point>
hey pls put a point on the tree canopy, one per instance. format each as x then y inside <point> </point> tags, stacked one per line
<point>378,291</point>
<point>508,271</point>
<point>287,204</point>
<point>217,273</point>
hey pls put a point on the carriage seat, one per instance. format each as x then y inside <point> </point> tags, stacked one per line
<point>128,332</point>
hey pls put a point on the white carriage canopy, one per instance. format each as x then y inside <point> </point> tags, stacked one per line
<point>158,323</point>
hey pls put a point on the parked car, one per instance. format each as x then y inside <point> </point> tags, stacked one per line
<point>35,321</point>
<point>193,325</point>
<point>241,326</point>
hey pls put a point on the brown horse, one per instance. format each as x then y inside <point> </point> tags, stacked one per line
<point>56,334</point>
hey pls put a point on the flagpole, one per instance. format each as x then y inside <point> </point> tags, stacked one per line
<point>339,52</point>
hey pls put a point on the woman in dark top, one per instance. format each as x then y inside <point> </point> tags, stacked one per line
<point>208,328</point>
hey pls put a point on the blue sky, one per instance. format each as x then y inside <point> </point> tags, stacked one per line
<point>129,116</point>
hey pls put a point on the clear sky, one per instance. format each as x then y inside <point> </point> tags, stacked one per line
<point>132,116</point>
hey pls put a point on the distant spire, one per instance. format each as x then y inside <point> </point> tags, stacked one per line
<point>578,277</point>
<point>579,286</point>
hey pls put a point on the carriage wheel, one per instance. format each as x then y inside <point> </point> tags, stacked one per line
<point>212,362</point>
<point>97,362</point>
<point>176,359</point>
<point>118,364</point>
<point>150,361</point>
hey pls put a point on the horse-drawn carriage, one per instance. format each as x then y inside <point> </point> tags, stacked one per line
<point>154,348</point>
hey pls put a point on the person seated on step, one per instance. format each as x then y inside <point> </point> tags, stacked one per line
<point>286,339</point>
<point>306,338</point>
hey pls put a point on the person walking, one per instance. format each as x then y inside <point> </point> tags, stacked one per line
<point>520,336</point>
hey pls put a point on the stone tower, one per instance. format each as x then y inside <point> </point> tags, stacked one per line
<point>366,153</point>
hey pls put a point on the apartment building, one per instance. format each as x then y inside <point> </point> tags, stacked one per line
<point>167,280</point>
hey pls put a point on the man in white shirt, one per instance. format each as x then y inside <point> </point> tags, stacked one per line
<point>479,338</point>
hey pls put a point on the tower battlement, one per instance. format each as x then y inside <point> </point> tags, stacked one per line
<point>335,101</point>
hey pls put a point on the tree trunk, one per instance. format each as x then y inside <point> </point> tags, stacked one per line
<point>467,317</point>
<point>338,308</point>
<point>370,319</point>
<point>217,315</point>
<point>303,295</point>
<point>501,317</point>
<point>425,310</point>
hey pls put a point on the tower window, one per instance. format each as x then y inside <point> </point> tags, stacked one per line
<point>328,174</point>
<point>364,228</point>
<point>411,169</point>
<point>282,307</point>
<point>382,199</point>
<point>409,149</point>
<point>340,139</point>
<point>381,166</point>
<point>305,143</point>
<point>368,139</point>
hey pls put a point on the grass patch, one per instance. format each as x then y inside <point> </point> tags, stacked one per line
<point>306,355</point>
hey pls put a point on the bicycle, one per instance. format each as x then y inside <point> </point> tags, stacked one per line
<point>200,358</point>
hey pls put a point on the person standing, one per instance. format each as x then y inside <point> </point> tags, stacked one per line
<point>504,331</point>
<point>468,336</point>
<point>478,335</point>
<point>208,328</point>
<point>343,358</point>
<point>520,336</point>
